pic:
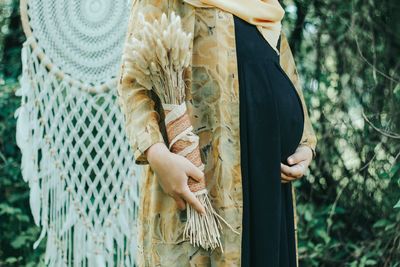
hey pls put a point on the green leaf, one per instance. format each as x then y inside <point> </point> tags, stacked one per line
<point>370,262</point>
<point>397,204</point>
<point>380,223</point>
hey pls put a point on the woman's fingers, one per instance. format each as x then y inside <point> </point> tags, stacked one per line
<point>285,178</point>
<point>302,153</point>
<point>295,171</point>
<point>191,199</point>
<point>195,173</point>
<point>297,157</point>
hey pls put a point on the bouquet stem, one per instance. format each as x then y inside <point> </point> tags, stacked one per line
<point>201,230</point>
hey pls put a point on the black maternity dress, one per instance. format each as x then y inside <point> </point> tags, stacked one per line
<point>271,126</point>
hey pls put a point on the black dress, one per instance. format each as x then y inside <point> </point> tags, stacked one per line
<point>271,126</point>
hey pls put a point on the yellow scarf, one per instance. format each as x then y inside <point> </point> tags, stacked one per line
<point>266,15</point>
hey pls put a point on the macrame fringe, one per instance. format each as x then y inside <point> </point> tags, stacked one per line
<point>77,235</point>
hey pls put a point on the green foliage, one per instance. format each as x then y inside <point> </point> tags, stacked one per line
<point>346,55</point>
<point>348,205</point>
<point>18,231</point>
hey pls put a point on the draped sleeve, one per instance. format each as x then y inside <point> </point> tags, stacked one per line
<point>141,108</point>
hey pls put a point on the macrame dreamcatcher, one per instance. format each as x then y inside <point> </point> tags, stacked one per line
<point>75,156</point>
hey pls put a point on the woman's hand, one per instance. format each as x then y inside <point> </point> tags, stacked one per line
<point>299,161</point>
<point>172,171</point>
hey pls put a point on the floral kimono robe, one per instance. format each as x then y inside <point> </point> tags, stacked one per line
<point>213,106</point>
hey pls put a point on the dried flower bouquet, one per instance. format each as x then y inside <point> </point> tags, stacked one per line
<point>158,56</point>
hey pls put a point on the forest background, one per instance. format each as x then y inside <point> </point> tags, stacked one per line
<point>347,54</point>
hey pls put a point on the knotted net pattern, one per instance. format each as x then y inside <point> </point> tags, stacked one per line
<point>70,129</point>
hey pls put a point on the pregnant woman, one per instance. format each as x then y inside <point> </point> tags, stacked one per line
<point>246,105</point>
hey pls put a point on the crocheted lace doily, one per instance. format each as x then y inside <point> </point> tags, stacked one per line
<point>82,37</point>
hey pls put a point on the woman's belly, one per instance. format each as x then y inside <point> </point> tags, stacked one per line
<point>271,99</point>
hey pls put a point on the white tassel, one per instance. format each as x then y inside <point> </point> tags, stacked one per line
<point>123,221</point>
<point>34,200</point>
<point>24,142</point>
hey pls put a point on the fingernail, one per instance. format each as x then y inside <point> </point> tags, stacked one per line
<point>290,160</point>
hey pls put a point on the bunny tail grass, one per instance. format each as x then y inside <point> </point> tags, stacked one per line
<point>202,230</point>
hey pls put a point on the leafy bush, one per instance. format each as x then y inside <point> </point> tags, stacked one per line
<point>347,56</point>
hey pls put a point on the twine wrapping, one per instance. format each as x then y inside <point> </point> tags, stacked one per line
<point>158,58</point>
